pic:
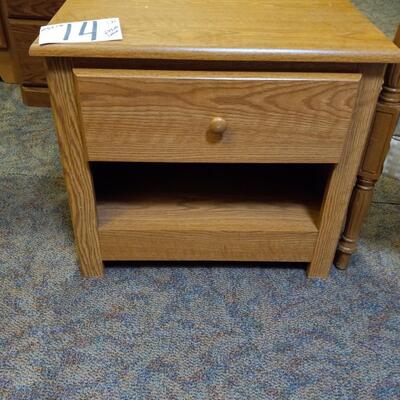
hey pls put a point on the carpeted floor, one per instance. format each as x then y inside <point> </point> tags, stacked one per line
<point>176,332</point>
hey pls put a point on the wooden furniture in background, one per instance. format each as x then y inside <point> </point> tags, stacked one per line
<point>7,73</point>
<point>3,40</point>
<point>21,23</point>
<point>385,122</point>
<point>231,130</point>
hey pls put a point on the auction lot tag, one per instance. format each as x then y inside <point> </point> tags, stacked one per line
<point>98,30</point>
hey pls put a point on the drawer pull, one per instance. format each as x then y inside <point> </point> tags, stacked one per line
<point>218,125</point>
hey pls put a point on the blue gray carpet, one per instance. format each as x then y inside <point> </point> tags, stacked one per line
<point>176,332</point>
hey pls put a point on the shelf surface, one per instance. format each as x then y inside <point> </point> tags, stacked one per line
<point>167,212</point>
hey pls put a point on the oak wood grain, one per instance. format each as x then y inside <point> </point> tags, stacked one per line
<point>168,244</point>
<point>22,33</point>
<point>168,115</point>
<point>35,9</point>
<point>257,117</point>
<point>342,180</point>
<point>76,167</point>
<point>274,30</point>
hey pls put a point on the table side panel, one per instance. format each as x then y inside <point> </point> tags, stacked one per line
<point>76,167</point>
<point>341,183</point>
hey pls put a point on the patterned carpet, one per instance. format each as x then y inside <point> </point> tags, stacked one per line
<point>176,332</point>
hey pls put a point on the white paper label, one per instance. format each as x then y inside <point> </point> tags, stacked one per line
<point>98,30</point>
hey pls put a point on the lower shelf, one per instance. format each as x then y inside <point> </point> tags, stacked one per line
<point>207,212</point>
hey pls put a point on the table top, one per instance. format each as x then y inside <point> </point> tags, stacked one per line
<point>245,30</point>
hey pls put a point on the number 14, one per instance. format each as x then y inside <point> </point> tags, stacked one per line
<point>82,31</point>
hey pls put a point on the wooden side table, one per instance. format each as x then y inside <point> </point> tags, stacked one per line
<point>228,130</point>
<point>386,119</point>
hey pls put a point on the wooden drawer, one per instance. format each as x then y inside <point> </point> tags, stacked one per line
<point>35,9</point>
<point>23,33</point>
<point>167,115</point>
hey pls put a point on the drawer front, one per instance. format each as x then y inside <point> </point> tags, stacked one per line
<point>194,116</point>
<point>35,9</point>
<point>23,33</point>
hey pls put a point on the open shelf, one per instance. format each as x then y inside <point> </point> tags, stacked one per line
<point>208,212</point>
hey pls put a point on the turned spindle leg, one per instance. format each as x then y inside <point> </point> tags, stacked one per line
<point>386,119</point>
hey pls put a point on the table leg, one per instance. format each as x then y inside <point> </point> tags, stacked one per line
<point>77,173</point>
<point>341,182</point>
<point>386,119</point>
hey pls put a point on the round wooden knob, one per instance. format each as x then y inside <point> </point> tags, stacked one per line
<point>218,125</point>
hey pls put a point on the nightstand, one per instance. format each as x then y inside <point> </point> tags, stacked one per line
<point>228,130</point>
